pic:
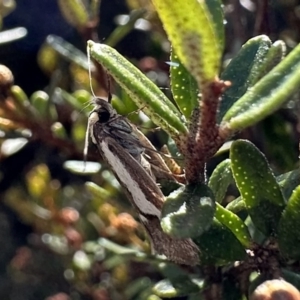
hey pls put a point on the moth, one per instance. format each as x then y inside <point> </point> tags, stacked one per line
<point>124,152</point>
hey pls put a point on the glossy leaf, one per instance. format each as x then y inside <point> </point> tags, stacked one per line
<point>267,95</point>
<point>59,130</point>
<point>288,182</point>
<point>12,146</point>
<point>257,185</point>
<point>216,11</point>
<point>141,90</point>
<point>291,277</point>
<point>219,245</point>
<point>234,223</point>
<point>81,167</point>
<point>184,87</point>
<point>166,289</point>
<point>116,248</point>
<point>189,26</point>
<point>274,56</point>
<point>121,31</point>
<point>12,35</point>
<point>188,212</point>
<point>74,12</point>
<point>289,227</point>
<point>278,141</point>
<point>240,70</point>
<point>178,280</point>
<point>97,191</point>
<point>40,101</point>
<point>68,51</point>
<point>236,205</point>
<point>220,179</point>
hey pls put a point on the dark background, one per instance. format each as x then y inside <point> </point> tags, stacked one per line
<point>29,269</point>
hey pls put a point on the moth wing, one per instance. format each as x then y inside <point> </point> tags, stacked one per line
<point>148,199</point>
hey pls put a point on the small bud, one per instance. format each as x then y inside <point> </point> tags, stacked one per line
<point>6,80</point>
<point>125,222</point>
<point>73,237</point>
<point>69,215</point>
<point>276,289</point>
<point>59,296</point>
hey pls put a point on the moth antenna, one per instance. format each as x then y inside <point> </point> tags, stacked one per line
<point>86,144</point>
<point>90,71</point>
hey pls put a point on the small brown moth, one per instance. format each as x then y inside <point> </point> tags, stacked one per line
<point>123,151</point>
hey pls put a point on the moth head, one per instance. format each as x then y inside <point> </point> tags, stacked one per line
<point>103,110</point>
<point>101,113</point>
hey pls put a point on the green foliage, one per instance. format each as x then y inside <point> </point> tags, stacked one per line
<point>243,219</point>
<point>186,207</point>
<point>257,185</point>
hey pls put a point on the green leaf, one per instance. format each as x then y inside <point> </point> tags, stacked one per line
<point>274,56</point>
<point>97,191</point>
<point>122,30</point>
<point>276,128</point>
<point>189,26</point>
<point>291,277</point>
<point>267,95</point>
<point>180,281</point>
<point>184,87</point>
<point>75,102</point>
<point>215,8</point>
<point>166,289</point>
<point>188,212</point>
<point>83,97</point>
<point>68,51</point>
<point>140,89</point>
<point>241,70</point>
<point>45,109</point>
<point>219,245</point>
<point>117,249</point>
<point>288,182</point>
<point>236,205</point>
<point>74,12</point>
<point>82,168</point>
<point>257,185</point>
<point>234,223</point>
<point>220,179</point>
<point>133,288</point>
<point>289,227</point>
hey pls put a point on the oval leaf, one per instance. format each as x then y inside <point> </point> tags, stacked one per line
<point>184,87</point>
<point>257,185</point>
<point>81,167</point>
<point>219,245</point>
<point>141,89</point>
<point>68,51</point>
<point>220,179</point>
<point>234,223</point>
<point>267,95</point>
<point>288,182</point>
<point>191,31</point>
<point>74,12</point>
<point>166,289</point>
<point>188,212</point>
<point>289,227</point>
<point>240,70</point>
